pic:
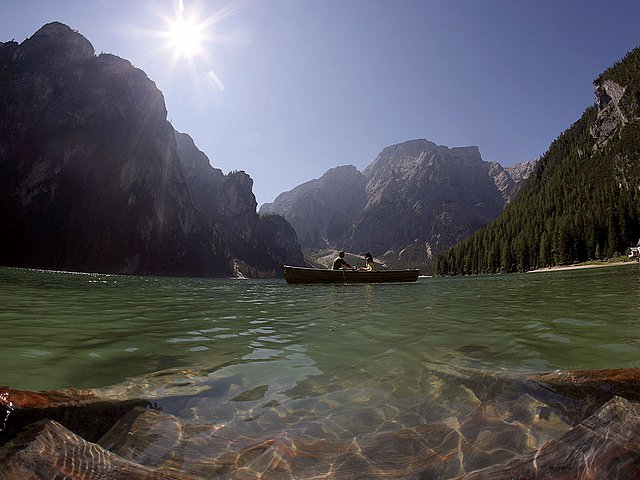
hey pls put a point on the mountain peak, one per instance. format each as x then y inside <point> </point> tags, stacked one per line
<point>413,201</point>
<point>412,152</point>
<point>53,29</point>
<point>54,46</point>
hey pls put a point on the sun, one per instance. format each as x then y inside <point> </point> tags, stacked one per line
<point>186,36</point>
<point>190,35</point>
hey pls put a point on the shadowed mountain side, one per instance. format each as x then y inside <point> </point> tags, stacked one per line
<point>323,210</point>
<point>260,244</point>
<point>93,179</point>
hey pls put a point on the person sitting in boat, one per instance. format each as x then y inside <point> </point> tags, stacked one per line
<point>368,263</point>
<point>341,263</point>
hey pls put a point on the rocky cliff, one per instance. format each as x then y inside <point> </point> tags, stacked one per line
<point>611,116</point>
<point>94,178</point>
<point>414,201</point>
<point>509,180</point>
<point>260,244</point>
<point>323,210</point>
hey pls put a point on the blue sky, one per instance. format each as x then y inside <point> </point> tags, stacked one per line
<point>286,89</point>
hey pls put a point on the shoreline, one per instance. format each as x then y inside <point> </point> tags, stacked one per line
<point>580,267</point>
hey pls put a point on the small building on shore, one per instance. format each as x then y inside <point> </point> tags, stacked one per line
<point>634,252</point>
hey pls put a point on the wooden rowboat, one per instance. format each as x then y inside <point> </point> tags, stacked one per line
<point>317,275</point>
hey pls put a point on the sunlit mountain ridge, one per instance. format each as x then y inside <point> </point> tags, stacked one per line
<point>414,201</point>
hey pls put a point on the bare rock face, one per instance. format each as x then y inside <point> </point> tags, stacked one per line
<point>259,246</point>
<point>510,180</point>
<point>414,201</point>
<point>520,172</point>
<point>53,46</point>
<point>94,178</point>
<point>203,180</point>
<point>423,195</point>
<point>283,241</point>
<point>322,210</point>
<point>610,115</point>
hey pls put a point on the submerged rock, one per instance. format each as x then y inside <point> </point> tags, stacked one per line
<point>605,445</point>
<point>581,392</point>
<point>81,411</point>
<point>467,424</point>
<point>599,384</point>
<point>48,450</point>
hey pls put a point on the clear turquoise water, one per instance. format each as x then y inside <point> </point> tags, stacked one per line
<point>90,330</point>
<point>324,381</point>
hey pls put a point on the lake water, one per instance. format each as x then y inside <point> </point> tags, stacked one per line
<point>333,361</point>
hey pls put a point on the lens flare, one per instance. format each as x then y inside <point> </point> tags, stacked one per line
<point>190,35</point>
<point>186,36</point>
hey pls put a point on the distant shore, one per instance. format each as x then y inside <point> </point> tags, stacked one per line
<point>583,265</point>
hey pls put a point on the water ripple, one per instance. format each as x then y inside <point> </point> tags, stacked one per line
<point>64,330</point>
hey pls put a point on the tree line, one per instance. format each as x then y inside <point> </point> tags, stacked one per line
<point>582,202</point>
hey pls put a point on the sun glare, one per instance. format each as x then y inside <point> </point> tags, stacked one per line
<point>189,35</point>
<point>186,37</point>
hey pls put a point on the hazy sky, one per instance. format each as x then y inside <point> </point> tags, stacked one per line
<point>286,89</point>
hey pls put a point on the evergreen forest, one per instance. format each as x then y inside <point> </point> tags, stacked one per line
<point>581,203</point>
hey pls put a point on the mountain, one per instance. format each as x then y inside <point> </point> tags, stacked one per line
<point>322,210</point>
<point>94,177</point>
<point>582,200</point>
<point>414,201</point>
<point>259,244</point>
<point>509,180</point>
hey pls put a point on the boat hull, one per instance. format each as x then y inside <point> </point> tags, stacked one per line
<point>316,275</point>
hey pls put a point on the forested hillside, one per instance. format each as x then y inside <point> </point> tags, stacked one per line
<point>582,201</point>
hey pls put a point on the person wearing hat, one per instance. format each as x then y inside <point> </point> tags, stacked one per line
<point>340,262</point>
